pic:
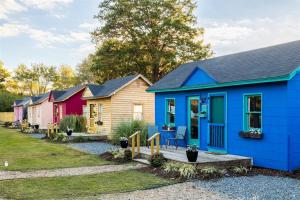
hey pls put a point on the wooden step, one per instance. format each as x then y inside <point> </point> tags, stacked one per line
<point>141,160</point>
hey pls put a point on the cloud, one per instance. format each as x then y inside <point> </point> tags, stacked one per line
<point>43,38</point>
<point>46,4</point>
<point>9,7</point>
<point>234,36</point>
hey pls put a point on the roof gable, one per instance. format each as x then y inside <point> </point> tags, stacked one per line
<point>66,94</point>
<point>110,87</point>
<point>198,76</point>
<point>260,64</point>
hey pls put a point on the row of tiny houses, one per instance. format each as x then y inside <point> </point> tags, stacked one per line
<point>245,104</point>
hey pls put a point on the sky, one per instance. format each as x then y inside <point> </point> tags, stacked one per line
<point>56,32</point>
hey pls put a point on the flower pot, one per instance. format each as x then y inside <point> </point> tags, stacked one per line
<point>69,132</point>
<point>192,156</point>
<point>36,126</point>
<point>124,144</point>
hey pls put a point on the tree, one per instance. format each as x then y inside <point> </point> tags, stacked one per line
<point>151,37</point>
<point>6,100</point>
<point>3,73</point>
<point>66,77</point>
<point>84,71</point>
<point>26,77</point>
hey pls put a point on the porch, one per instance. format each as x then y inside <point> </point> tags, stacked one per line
<point>204,158</point>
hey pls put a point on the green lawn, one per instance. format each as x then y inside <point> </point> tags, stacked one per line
<point>79,186</point>
<point>25,153</point>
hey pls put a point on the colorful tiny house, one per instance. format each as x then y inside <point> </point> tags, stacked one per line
<point>118,100</point>
<point>67,102</point>
<point>20,109</point>
<point>40,111</point>
<point>245,104</point>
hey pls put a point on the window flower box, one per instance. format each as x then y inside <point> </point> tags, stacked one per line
<point>169,128</point>
<point>251,134</point>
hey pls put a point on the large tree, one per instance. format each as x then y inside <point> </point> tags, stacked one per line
<point>84,71</point>
<point>3,73</point>
<point>151,37</point>
<point>66,77</point>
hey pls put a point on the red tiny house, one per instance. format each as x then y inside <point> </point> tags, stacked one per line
<point>68,102</point>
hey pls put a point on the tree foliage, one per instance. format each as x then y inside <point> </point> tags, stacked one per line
<point>151,37</point>
<point>3,73</point>
<point>66,77</point>
<point>6,100</point>
<point>85,73</point>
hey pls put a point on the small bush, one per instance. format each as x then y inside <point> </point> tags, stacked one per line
<point>188,171</point>
<point>125,129</point>
<point>122,155</point>
<point>170,167</point>
<point>60,138</point>
<point>240,170</point>
<point>157,160</point>
<point>74,122</point>
<point>7,124</point>
<point>209,170</point>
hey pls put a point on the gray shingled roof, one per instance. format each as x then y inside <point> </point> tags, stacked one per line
<point>40,98</point>
<point>109,87</point>
<point>269,62</point>
<point>22,102</point>
<point>63,95</point>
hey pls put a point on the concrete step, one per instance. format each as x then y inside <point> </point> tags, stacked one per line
<point>141,160</point>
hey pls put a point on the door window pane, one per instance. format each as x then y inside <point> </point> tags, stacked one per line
<point>170,112</point>
<point>194,110</point>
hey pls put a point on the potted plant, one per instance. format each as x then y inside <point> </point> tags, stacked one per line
<point>124,142</point>
<point>192,153</point>
<point>69,131</point>
<point>99,123</point>
<point>252,133</point>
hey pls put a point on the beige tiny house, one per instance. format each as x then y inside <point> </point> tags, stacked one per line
<point>118,100</point>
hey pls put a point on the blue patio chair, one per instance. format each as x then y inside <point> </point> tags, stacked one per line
<point>152,129</point>
<point>180,135</point>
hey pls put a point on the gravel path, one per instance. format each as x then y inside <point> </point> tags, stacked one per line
<point>6,175</point>
<point>93,147</point>
<point>37,135</point>
<point>241,188</point>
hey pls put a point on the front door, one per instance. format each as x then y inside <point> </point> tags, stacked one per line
<point>193,121</point>
<point>217,118</point>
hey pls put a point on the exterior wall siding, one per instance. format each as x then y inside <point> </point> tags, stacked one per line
<point>293,122</point>
<point>124,100</point>
<point>270,152</point>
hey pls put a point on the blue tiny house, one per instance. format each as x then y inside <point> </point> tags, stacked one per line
<point>244,104</point>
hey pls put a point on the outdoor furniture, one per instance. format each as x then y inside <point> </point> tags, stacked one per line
<point>180,135</point>
<point>152,129</point>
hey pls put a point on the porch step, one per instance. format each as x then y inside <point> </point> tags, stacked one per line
<point>141,160</point>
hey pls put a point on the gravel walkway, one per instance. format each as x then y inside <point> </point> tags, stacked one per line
<point>241,188</point>
<point>37,135</point>
<point>93,147</point>
<point>6,175</point>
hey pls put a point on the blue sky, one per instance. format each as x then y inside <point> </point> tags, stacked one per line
<point>56,32</point>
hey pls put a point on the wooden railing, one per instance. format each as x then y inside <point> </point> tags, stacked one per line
<point>156,137</point>
<point>136,137</point>
<point>52,128</point>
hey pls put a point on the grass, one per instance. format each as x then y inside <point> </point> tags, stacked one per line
<point>25,153</point>
<point>79,186</point>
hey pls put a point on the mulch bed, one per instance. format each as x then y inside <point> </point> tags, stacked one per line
<point>272,172</point>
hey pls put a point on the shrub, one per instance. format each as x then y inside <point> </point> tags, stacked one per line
<point>157,160</point>
<point>171,167</point>
<point>74,122</point>
<point>240,170</point>
<point>7,124</point>
<point>209,170</point>
<point>122,155</point>
<point>60,138</point>
<point>187,171</point>
<point>125,129</point>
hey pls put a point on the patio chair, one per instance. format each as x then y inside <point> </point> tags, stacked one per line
<point>180,135</point>
<point>152,129</point>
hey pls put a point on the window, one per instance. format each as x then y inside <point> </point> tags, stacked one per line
<point>100,112</point>
<point>170,112</point>
<point>252,115</point>
<point>85,111</point>
<point>137,112</point>
<point>60,111</point>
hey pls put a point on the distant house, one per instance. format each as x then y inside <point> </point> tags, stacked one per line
<point>20,109</point>
<point>67,102</point>
<point>118,100</point>
<point>40,111</point>
<point>245,104</point>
